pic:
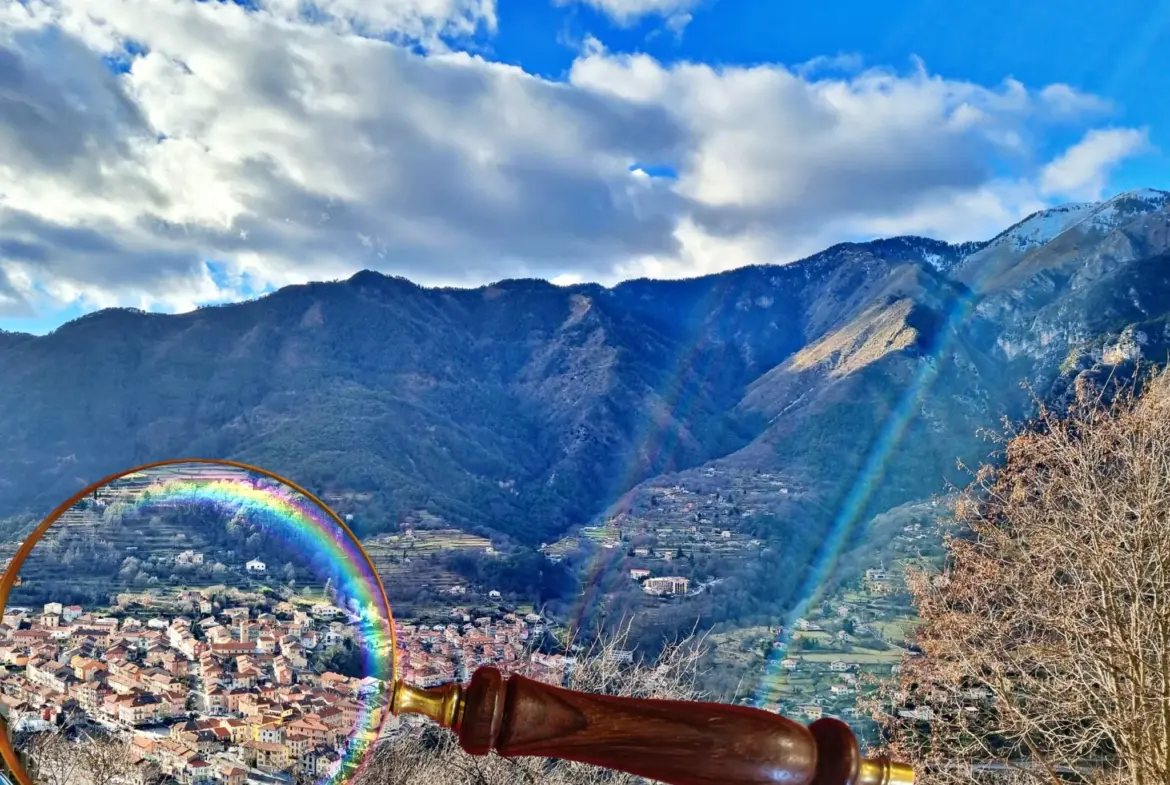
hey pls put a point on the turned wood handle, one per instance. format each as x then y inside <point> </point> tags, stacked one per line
<point>676,742</point>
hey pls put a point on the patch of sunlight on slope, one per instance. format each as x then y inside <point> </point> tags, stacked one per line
<point>878,331</point>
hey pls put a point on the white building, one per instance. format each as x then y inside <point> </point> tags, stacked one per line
<point>669,585</point>
<point>256,566</point>
<point>324,610</point>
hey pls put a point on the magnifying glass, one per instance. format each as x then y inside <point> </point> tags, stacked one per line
<point>207,621</point>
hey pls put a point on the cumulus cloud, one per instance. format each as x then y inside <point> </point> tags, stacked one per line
<point>232,150</point>
<point>1082,171</point>
<point>782,165</point>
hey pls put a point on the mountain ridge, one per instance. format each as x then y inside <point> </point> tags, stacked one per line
<point>523,411</point>
<point>928,248</point>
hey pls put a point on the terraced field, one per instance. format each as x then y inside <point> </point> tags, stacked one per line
<point>125,539</point>
<point>414,560</point>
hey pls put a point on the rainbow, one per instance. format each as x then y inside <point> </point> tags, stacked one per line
<point>868,480</point>
<point>654,438</point>
<point>302,524</point>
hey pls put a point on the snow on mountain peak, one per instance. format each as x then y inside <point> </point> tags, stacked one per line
<point>1040,227</point>
<point>1043,226</point>
<point>1126,206</point>
<point>1151,195</point>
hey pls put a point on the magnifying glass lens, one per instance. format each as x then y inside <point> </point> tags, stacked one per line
<point>196,622</point>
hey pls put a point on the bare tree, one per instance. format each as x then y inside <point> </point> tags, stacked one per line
<point>1044,655</point>
<point>145,772</point>
<point>57,759</point>
<point>433,757</point>
<point>104,759</point>
<point>54,759</point>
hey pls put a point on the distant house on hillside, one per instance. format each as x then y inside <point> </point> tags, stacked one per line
<point>324,610</point>
<point>256,566</point>
<point>662,586</point>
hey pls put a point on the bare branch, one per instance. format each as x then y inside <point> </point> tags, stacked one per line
<point>1045,647</point>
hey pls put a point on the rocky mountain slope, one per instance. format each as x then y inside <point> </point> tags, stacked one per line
<point>523,409</point>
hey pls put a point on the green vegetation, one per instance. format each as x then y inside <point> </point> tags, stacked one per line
<point>525,573</point>
<point>516,414</point>
<point>344,658</point>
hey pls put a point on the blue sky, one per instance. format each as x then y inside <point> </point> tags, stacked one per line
<point>1118,49</point>
<point>329,150</point>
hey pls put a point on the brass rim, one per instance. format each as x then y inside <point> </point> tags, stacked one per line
<point>7,751</point>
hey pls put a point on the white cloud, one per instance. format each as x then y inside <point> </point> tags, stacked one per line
<point>417,19</point>
<point>286,151</point>
<point>13,302</point>
<point>775,152</point>
<point>848,62</point>
<point>1082,172</point>
<point>1065,101</point>
<point>678,21</point>
<point>626,12</point>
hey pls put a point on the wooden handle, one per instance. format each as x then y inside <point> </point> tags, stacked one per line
<point>676,742</point>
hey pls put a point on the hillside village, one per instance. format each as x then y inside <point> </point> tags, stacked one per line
<point>220,684</point>
<point>233,693</point>
<point>700,513</point>
<point>848,642</point>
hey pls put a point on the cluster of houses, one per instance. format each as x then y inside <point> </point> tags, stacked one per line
<point>219,698</point>
<point>441,653</point>
<point>702,514</point>
<point>205,701</point>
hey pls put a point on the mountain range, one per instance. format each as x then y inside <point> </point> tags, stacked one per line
<point>522,409</point>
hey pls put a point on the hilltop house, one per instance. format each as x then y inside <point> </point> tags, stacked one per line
<point>668,585</point>
<point>256,566</point>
